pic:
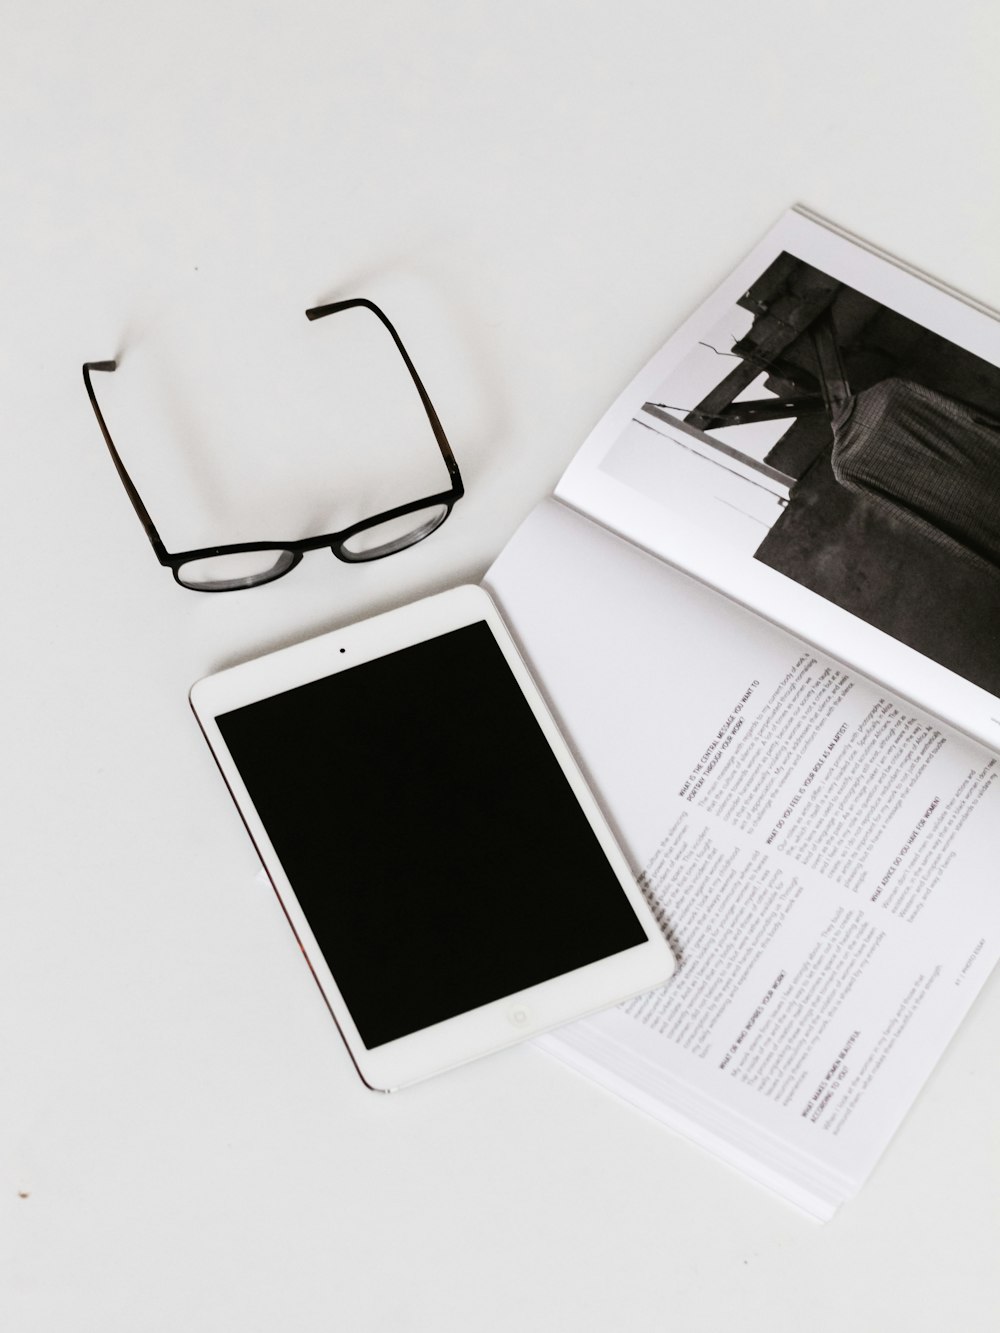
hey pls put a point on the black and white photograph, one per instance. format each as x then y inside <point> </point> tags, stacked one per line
<point>845,446</point>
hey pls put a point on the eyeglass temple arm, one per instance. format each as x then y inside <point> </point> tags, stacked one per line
<point>126,480</point>
<point>318,312</point>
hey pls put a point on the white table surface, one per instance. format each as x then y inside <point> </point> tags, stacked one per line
<point>537,193</point>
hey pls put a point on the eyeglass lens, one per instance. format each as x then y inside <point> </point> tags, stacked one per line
<point>394,534</point>
<point>235,569</point>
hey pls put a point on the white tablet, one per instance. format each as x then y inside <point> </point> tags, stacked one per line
<point>445,868</point>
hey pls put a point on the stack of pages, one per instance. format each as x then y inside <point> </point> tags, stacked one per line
<point>763,604</point>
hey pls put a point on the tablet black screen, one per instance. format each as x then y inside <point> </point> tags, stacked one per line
<point>428,832</point>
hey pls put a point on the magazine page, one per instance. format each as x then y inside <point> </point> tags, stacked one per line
<point>820,854</point>
<point>821,440</point>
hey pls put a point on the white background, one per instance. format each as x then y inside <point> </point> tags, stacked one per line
<point>537,193</point>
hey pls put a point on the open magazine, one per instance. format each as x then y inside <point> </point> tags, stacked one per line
<point>763,603</point>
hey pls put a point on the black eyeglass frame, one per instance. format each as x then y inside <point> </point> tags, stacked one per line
<point>295,550</point>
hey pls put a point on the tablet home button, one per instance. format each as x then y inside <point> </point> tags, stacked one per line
<point>519,1015</point>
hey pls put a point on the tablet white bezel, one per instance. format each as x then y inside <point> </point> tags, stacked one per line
<point>501,1022</point>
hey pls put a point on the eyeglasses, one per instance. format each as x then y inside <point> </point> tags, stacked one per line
<point>248,564</point>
